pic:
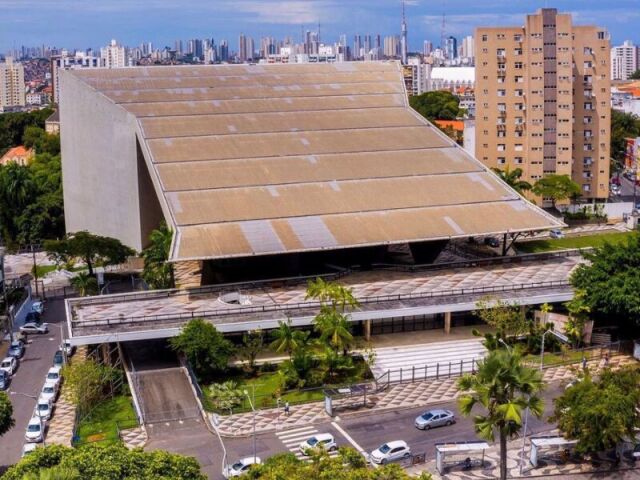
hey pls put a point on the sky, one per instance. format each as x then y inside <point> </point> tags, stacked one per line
<point>93,23</point>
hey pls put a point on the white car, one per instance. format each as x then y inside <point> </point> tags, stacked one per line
<point>68,349</point>
<point>53,375</point>
<point>9,365</point>
<point>556,233</point>
<point>324,441</point>
<point>390,451</point>
<point>37,307</point>
<point>49,391</point>
<point>240,467</point>
<point>33,327</point>
<point>44,409</point>
<point>27,448</point>
<point>35,430</point>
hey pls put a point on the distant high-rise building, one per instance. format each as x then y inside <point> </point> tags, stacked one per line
<point>267,47</point>
<point>224,51</point>
<point>113,55</point>
<point>467,49</point>
<point>451,48</point>
<point>403,41</point>
<point>625,59</point>
<point>357,48</point>
<point>12,91</point>
<point>65,61</point>
<point>543,100</point>
<point>242,48</point>
<point>178,47</point>
<point>427,48</point>
<point>392,47</point>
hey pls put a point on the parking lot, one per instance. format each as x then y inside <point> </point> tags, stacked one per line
<point>29,379</point>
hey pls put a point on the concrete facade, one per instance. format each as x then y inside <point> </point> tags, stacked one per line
<point>101,183</point>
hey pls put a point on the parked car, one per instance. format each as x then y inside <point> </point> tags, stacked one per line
<point>556,233</point>
<point>58,359</point>
<point>49,391</point>
<point>615,180</point>
<point>27,448</point>
<point>492,242</point>
<point>68,349</point>
<point>16,349</point>
<point>43,409</point>
<point>53,375</point>
<point>435,418</point>
<point>240,467</point>
<point>5,380</point>
<point>35,430</point>
<point>390,451</point>
<point>32,327</point>
<point>33,317</point>
<point>9,365</point>
<point>324,441</point>
<point>37,307</point>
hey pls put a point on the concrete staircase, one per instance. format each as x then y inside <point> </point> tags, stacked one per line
<point>418,360</point>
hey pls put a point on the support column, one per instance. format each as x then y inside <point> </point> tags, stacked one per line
<point>367,330</point>
<point>105,354</point>
<point>447,323</point>
<point>188,274</point>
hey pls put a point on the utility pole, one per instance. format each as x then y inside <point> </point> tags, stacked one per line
<point>35,267</point>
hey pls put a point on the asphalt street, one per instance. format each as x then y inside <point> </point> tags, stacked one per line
<point>29,379</point>
<point>368,431</point>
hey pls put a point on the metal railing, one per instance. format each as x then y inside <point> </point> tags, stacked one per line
<point>435,371</point>
<point>224,312</point>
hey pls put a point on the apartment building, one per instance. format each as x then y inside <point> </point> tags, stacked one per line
<point>625,60</point>
<point>542,100</point>
<point>12,89</point>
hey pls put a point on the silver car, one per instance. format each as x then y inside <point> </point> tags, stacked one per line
<point>435,418</point>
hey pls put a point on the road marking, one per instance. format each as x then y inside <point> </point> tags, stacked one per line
<point>289,433</point>
<point>294,437</point>
<point>348,437</point>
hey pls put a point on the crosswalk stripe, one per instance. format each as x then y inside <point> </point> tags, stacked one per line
<point>307,431</point>
<point>293,430</point>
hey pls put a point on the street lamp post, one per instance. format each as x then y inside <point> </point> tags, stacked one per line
<point>558,335</point>
<point>44,443</point>
<point>225,465</point>
<point>253,387</point>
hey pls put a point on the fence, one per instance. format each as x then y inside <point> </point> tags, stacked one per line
<point>567,357</point>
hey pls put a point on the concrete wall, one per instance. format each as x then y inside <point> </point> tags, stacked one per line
<point>99,164</point>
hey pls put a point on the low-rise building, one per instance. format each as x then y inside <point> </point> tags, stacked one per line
<point>52,124</point>
<point>20,155</point>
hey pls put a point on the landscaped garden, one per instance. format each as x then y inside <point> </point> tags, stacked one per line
<point>585,241</point>
<point>106,420</point>
<point>315,358</point>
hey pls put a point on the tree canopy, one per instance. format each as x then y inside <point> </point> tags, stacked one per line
<point>635,75</point>
<point>92,249</point>
<point>14,124</point>
<point>623,125</point>
<point>599,413</point>
<point>107,462</point>
<point>609,283</point>
<point>157,272</point>
<point>204,346</point>
<point>436,105</point>
<point>6,413</point>
<point>348,465</point>
<point>503,388</point>
<point>556,187</point>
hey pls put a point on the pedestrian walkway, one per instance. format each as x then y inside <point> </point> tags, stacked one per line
<point>401,360</point>
<point>408,395</point>
<point>294,437</point>
<point>60,429</point>
<point>134,437</point>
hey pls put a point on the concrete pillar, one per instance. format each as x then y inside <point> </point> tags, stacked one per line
<point>188,274</point>
<point>104,353</point>
<point>447,322</point>
<point>367,330</point>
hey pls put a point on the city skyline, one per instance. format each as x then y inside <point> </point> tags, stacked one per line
<point>28,22</point>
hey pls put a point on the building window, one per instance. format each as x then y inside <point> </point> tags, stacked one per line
<point>517,37</point>
<point>518,65</point>
<point>518,147</point>
<point>519,92</point>
<point>518,160</point>
<point>519,79</point>
<point>501,134</point>
<point>502,93</point>
<point>588,64</point>
<point>587,161</point>
<point>502,160</point>
<point>501,147</point>
<point>586,187</point>
<point>484,37</point>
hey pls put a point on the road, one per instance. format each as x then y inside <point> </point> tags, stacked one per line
<point>368,431</point>
<point>29,379</point>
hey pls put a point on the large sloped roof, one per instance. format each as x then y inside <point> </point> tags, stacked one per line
<point>266,159</point>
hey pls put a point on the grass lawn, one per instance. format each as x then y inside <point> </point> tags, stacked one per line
<point>536,246</point>
<point>556,358</point>
<point>102,423</point>
<point>44,269</point>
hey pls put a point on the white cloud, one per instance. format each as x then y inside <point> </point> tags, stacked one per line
<point>465,24</point>
<point>288,12</point>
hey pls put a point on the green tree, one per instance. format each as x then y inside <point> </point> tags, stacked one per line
<point>13,125</point>
<point>43,142</point>
<point>54,473</point>
<point>92,249</point>
<point>106,462</point>
<point>252,345</point>
<point>332,322</point>
<point>158,272</point>
<point>601,413</point>
<point>86,382</point>
<point>85,284</point>
<point>508,319</point>
<point>610,283</point>
<point>436,105</point>
<point>204,346</point>
<point>6,414</point>
<point>513,178</point>
<point>287,339</point>
<point>17,192</point>
<point>635,75</point>
<point>504,388</point>
<point>556,187</point>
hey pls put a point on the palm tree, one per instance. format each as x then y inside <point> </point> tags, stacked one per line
<point>85,284</point>
<point>157,272</point>
<point>287,339</point>
<point>513,178</point>
<point>504,388</point>
<point>334,329</point>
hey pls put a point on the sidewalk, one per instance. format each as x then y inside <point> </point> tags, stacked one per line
<point>397,397</point>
